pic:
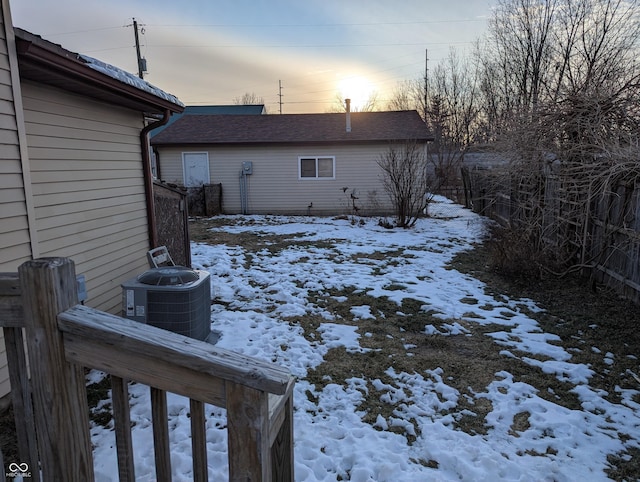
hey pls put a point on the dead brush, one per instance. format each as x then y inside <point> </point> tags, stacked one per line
<point>515,253</point>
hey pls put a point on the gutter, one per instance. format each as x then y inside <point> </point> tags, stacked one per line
<point>148,177</point>
<point>36,55</point>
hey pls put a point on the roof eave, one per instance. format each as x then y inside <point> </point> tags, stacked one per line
<point>424,140</point>
<point>59,68</point>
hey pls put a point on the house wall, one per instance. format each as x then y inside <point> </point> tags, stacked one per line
<point>15,237</point>
<point>88,188</point>
<point>274,186</point>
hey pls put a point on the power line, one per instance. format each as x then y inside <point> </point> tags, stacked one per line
<point>83,31</point>
<point>248,46</point>
<point>283,25</point>
<point>301,25</point>
<point>299,46</point>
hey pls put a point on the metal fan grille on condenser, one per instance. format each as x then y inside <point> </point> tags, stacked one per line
<point>168,276</point>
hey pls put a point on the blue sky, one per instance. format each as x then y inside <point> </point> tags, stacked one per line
<point>211,52</point>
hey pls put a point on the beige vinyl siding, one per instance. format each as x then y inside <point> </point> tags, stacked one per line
<point>275,186</point>
<point>88,188</point>
<point>15,239</point>
<point>14,236</point>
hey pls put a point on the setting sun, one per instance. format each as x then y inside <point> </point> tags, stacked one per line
<point>358,89</point>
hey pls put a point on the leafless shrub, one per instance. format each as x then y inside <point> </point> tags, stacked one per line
<point>516,253</point>
<point>407,180</point>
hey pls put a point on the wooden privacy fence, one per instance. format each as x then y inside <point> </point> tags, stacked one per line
<point>62,338</point>
<point>600,227</point>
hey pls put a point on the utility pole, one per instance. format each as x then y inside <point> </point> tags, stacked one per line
<point>142,63</point>
<point>426,83</point>
<point>280,94</point>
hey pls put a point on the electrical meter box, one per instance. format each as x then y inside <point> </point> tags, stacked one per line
<point>247,167</point>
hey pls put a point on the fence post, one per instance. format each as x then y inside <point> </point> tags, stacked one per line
<point>248,432</point>
<point>59,393</point>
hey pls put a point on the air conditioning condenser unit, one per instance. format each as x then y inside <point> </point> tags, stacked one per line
<point>175,298</point>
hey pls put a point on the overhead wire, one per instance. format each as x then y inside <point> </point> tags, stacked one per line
<point>296,46</point>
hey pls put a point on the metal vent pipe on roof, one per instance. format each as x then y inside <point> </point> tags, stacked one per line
<point>348,104</point>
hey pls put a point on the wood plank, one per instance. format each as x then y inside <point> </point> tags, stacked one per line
<point>145,369</point>
<point>618,277</point>
<point>122,425</point>
<point>277,412</point>
<point>58,387</point>
<point>159,416</point>
<point>198,441</point>
<point>248,434</point>
<point>21,396</point>
<point>138,339</point>
<point>282,458</point>
<point>9,285</point>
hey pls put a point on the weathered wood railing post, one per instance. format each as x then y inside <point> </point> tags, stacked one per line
<point>12,322</point>
<point>248,432</point>
<point>59,393</point>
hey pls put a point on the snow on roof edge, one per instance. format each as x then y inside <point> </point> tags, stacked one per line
<point>128,78</point>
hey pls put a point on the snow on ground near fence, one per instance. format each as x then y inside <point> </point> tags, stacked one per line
<point>254,293</point>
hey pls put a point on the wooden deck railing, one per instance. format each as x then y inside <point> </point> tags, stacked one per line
<point>63,338</point>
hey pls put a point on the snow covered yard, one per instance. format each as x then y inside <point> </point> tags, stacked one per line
<point>408,370</point>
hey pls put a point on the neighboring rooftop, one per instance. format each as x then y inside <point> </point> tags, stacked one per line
<point>242,109</point>
<point>294,128</point>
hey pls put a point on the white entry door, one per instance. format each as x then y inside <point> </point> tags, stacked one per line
<point>196,168</point>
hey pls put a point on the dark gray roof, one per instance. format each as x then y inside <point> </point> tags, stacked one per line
<point>294,128</point>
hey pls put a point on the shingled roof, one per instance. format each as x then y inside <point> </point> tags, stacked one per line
<point>294,128</point>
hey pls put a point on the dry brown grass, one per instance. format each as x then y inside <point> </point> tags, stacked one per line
<point>582,318</point>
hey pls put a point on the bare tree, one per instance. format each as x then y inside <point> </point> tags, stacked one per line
<point>546,60</point>
<point>370,105</point>
<point>407,180</point>
<point>450,111</point>
<point>408,95</point>
<point>563,81</point>
<point>452,114</point>
<point>248,98</point>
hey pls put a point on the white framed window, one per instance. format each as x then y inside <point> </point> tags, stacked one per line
<point>316,167</point>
